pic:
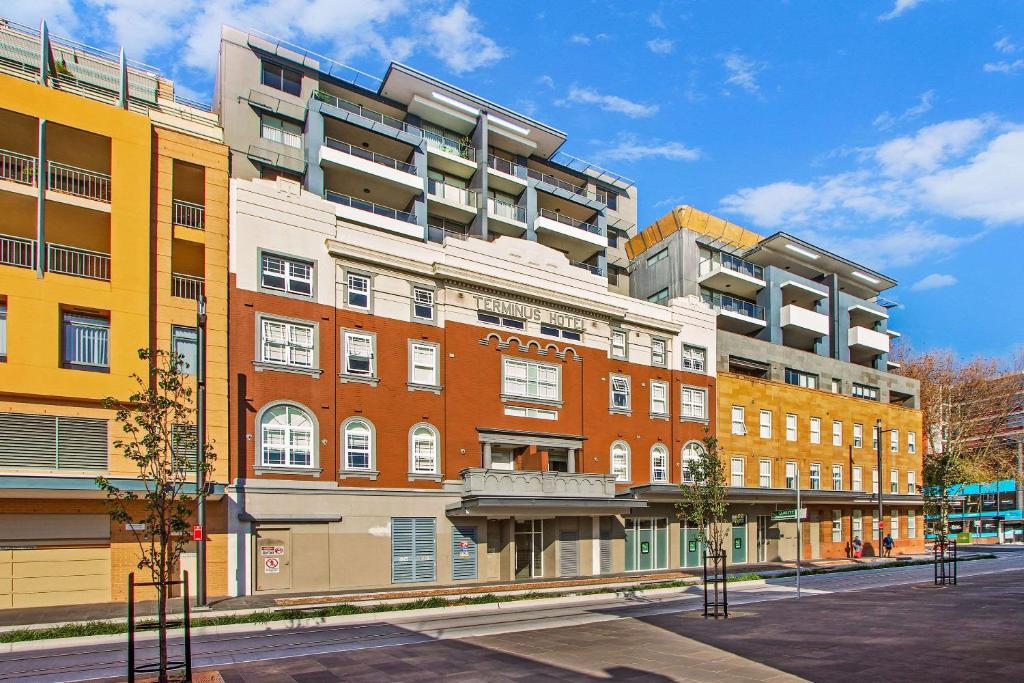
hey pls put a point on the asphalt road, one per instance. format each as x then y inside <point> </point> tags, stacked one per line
<point>103,661</point>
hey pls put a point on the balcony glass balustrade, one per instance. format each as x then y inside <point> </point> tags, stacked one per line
<point>459,195</point>
<point>729,303</point>
<point>506,166</point>
<point>566,220</point>
<point>506,210</point>
<point>369,114</point>
<point>364,205</point>
<point>733,263</point>
<point>443,143</point>
<point>376,158</point>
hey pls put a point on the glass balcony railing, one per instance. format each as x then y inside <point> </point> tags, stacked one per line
<point>376,158</point>
<point>438,230</point>
<point>733,263</point>
<point>369,114</point>
<point>459,195</point>
<point>443,143</point>
<point>596,270</point>
<point>364,205</point>
<point>187,286</point>
<point>506,210</point>
<point>729,303</point>
<point>559,183</point>
<point>506,166</point>
<point>189,214</point>
<point>566,220</point>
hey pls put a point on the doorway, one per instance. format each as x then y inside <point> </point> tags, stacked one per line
<point>763,521</point>
<point>691,549</point>
<point>273,559</point>
<point>529,538</point>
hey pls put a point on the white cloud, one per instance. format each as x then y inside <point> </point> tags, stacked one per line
<point>930,146</point>
<point>579,39</point>
<point>933,281</point>
<point>456,40</point>
<point>59,14</point>
<point>676,200</point>
<point>655,20</point>
<point>660,46</point>
<point>899,8</point>
<point>630,148</point>
<point>613,103</point>
<point>1004,67</point>
<point>885,120</point>
<point>742,71</point>
<point>546,81</point>
<point>1005,46</point>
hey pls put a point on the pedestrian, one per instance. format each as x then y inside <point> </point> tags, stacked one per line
<point>887,545</point>
<point>858,547</point>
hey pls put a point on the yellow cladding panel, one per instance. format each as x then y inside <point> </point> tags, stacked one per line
<point>689,218</point>
<point>34,305</point>
<point>755,395</point>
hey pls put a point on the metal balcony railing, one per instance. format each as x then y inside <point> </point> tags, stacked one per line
<point>187,286</point>
<point>733,263</point>
<point>506,166</point>
<point>364,205</point>
<point>376,158</point>
<point>443,143</point>
<point>94,265</point>
<point>459,195</point>
<point>437,233</point>
<point>18,168</point>
<point>566,220</point>
<point>78,182</point>
<point>596,270</point>
<point>506,210</point>
<point>729,303</point>
<point>557,182</point>
<point>369,114</point>
<point>17,251</point>
<point>188,214</point>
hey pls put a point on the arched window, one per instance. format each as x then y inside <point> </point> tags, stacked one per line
<point>357,445</point>
<point>691,452</point>
<point>423,450</point>
<point>620,460</point>
<point>659,464</point>
<point>287,436</point>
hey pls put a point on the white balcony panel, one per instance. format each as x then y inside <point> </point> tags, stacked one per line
<point>451,202</point>
<point>718,277</point>
<point>801,318</point>
<point>450,162</point>
<point>863,338</point>
<point>507,216</point>
<point>371,219</point>
<point>505,182</point>
<point>739,322</point>
<point>354,163</point>
<point>541,223</point>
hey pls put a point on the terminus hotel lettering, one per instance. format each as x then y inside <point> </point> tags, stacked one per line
<point>524,312</point>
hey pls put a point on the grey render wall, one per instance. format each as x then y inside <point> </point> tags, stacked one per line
<point>781,357</point>
<point>842,330</point>
<point>771,297</point>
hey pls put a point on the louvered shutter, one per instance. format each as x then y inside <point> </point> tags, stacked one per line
<point>28,440</point>
<point>568,554</point>
<point>605,548</point>
<point>401,549</point>
<point>413,556</point>
<point>82,443</point>
<point>464,553</point>
<point>425,548</point>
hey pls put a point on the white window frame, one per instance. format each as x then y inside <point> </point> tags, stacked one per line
<point>659,352</point>
<point>738,417</point>
<point>791,427</point>
<point>894,441</point>
<point>911,442</point>
<point>858,478</point>
<point>366,289</point>
<point>688,406</point>
<point>417,458</point>
<point>837,432</point>
<point>911,524</point>
<point>765,426</point>
<point>619,385</point>
<point>837,477</point>
<point>288,274</point>
<point>814,480</point>
<point>691,451</point>
<point>894,480</point>
<point>659,464</point>
<point>876,438</point>
<point>347,450</point>
<point>874,480</point>
<point>894,524</point>
<point>695,358</point>
<point>288,347</point>
<point>416,364</point>
<point>911,482</point>
<point>791,474</point>
<point>619,344</point>
<point>837,526</point>
<point>516,382</point>
<point>858,435</point>
<point>287,434</point>
<point>659,398</point>
<point>424,297</point>
<point>3,331</point>
<point>815,430</point>
<point>764,473</point>
<point>857,524</point>
<point>737,472</point>
<point>284,133</point>
<point>91,341</point>
<point>348,339</point>
<point>619,460</point>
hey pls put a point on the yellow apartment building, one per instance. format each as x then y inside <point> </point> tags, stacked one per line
<point>113,221</point>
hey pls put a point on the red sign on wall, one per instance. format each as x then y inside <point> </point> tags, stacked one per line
<point>197,533</point>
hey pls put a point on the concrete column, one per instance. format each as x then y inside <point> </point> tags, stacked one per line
<point>478,183</point>
<point>531,210</point>
<point>602,257</point>
<point>419,204</point>
<point>42,180</point>
<point>487,456</point>
<point>572,460</point>
<point>312,139</point>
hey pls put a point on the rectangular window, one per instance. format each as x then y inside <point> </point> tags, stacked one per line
<point>864,391</point>
<point>659,296</point>
<point>790,475</point>
<point>619,392</point>
<point>857,523</point>
<point>492,319</point>
<point>837,477</point>
<point>801,379</point>
<point>529,379</point>
<point>358,291</point>
<point>3,331</point>
<point>858,436</point>
<point>815,430</point>
<point>815,476</point>
<point>875,438</point>
<point>659,353</point>
<point>837,526</point>
<point>692,403</point>
<point>911,442</point>
<point>282,79</point>
<point>185,348</point>
<point>911,524</point>
<point>286,275</point>
<point>738,421</point>
<point>874,480</point>
<point>766,424</point>
<point>858,478</point>
<point>286,343</point>
<point>659,466</point>
<point>281,131</point>
<point>657,256</point>
<point>765,474</point>
<point>538,413</point>
<point>553,331</point>
<point>423,364</point>
<point>619,344</point>
<point>894,524</point>
<point>659,398</point>
<point>837,433</point>
<point>422,303</point>
<point>359,353</point>
<point>894,481</point>
<point>694,358</point>
<point>86,342</point>
<point>737,472</point>
<point>894,441</point>
<point>837,385</point>
<point>911,483</point>
<point>791,427</point>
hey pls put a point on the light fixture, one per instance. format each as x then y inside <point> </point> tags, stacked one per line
<point>865,278</point>
<point>508,124</point>
<point>803,252</point>
<point>455,103</point>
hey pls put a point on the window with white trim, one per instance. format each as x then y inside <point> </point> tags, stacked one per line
<point>766,424</point>
<point>692,403</point>
<point>278,130</point>
<point>857,523</point>
<point>538,413</point>
<point>284,274</point>
<point>875,434</point>
<point>620,348</point>
<point>659,397</point>
<point>790,475</point>
<point>423,457</point>
<point>620,461</point>
<point>3,331</point>
<point>894,481</point>
<point>837,433</point>
<point>357,445</point>
<point>858,478</point>
<point>691,452</point>
<point>837,477</point>
<point>911,524</point>
<point>837,526</point>
<point>694,358</point>
<point>357,291</point>
<point>530,379</point>
<point>287,437</point>
<point>422,303</point>
<point>184,347</point>
<point>423,364</point>
<point>911,442</point>
<point>736,468</point>
<point>874,480</point>
<point>491,319</point>
<point>815,476</point>
<point>659,464</point>
<point>358,353</point>
<point>738,420</point>
<point>765,473</point>
<point>659,352</point>
<point>815,430</point>
<point>791,427</point>
<point>894,441</point>
<point>837,385</point>
<point>619,385</point>
<point>553,331</point>
<point>86,342</point>
<point>858,436</point>
<point>911,482</point>
<point>894,524</point>
<point>287,343</point>
<point>864,391</point>
<point>801,379</point>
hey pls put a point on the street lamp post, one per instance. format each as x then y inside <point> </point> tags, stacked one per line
<point>881,508</point>
<point>201,451</point>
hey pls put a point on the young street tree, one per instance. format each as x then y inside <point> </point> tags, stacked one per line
<point>966,408</point>
<point>704,500</point>
<point>159,426</point>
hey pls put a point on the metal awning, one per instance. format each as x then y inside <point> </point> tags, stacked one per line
<point>541,506</point>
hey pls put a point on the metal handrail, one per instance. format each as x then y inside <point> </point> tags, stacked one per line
<point>437,233</point>
<point>189,214</point>
<point>94,265</point>
<point>187,286</point>
<point>369,114</point>
<point>364,205</point>
<point>376,158</point>
<point>19,168</point>
<point>729,303</point>
<point>734,263</point>
<point>566,220</point>
<point>79,182</point>
<point>559,183</point>
<point>506,166</point>
<point>596,270</point>
<point>17,251</point>
<point>461,195</point>
<point>446,144</point>
<point>506,210</point>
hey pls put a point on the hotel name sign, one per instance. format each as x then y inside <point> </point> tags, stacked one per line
<point>513,309</point>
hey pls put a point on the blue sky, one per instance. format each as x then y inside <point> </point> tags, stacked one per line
<point>890,131</point>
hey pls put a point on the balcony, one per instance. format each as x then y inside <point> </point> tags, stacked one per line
<point>374,215</point>
<point>796,317</point>
<point>187,286</point>
<point>505,176</point>
<point>449,155</point>
<point>736,315</point>
<point>567,190</point>
<point>566,226</point>
<point>449,201</point>
<point>864,339</point>
<point>188,214</point>
<point>500,492</point>
<point>17,251</point>
<point>17,168</point>
<point>725,271</point>
<point>61,178</point>
<point>349,157</point>
<point>60,259</point>
<point>370,118</point>
<point>593,268</point>
<point>505,218</point>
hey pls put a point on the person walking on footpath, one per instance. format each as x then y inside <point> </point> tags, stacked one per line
<point>887,545</point>
<point>858,547</point>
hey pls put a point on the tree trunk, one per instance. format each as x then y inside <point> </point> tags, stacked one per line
<point>162,607</point>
